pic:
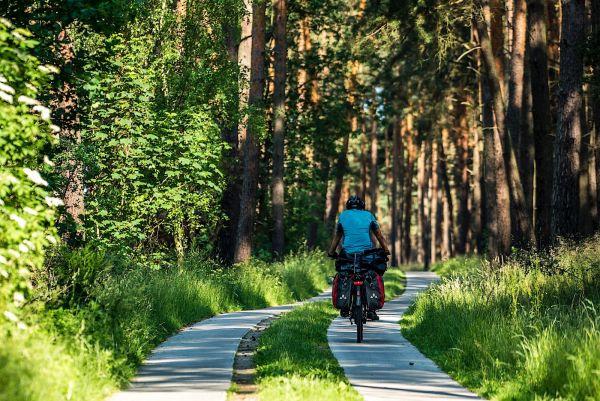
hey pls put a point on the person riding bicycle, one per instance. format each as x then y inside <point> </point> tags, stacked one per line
<point>355,226</point>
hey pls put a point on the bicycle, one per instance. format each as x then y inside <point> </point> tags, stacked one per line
<point>358,309</point>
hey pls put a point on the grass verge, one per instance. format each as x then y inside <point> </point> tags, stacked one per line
<point>101,316</point>
<point>294,361</point>
<point>528,330</point>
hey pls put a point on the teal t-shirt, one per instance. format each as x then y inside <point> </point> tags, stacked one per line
<point>356,225</point>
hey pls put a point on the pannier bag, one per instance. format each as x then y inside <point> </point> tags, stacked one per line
<point>341,291</point>
<point>374,290</point>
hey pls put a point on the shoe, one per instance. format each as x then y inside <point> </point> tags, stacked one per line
<point>372,315</point>
<point>344,313</point>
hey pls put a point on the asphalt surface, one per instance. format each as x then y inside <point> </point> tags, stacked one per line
<point>197,363</point>
<point>386,366</point>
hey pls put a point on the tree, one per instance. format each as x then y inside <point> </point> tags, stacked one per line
<point>280,54</point>
<point>565,196</point>
<point>245,229</point>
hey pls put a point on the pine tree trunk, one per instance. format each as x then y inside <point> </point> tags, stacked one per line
<point>408,188</point>
<point>526,150</point>
<point>244,242</point>
<point>523,230</point>
<point>462,182</point>
<point>280,55</point>
<point>395,240</point>
<point>540,92</point>
<point>503,222</point>
<point>425,206</point>
<point>565,196</point>
<point>373,181</point>
<point>67,117</point>
<point>447,202</point>
<point>436,211</point>
<point>476,202</point>
<point>421,204</point>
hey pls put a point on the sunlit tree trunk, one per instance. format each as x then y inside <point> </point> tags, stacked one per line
<point>66,104</point>
<point>476,199</point>
<point>491,80</point>
<point>395,237</point>
<point>436,211</point>
<point>462,182</point>
<point>408,188</point>
<point>565,196</point>
<point>373,181</point>
<point>244,242</point>
<point>280,55</point>
<point>447,202</point>
<point>540,92</point>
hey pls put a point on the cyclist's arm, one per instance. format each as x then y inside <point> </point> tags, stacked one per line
<point>336,241</point>
<point>381,239</point>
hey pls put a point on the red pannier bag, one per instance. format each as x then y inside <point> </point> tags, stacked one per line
<point>374,290</point>
<point>341,291</point>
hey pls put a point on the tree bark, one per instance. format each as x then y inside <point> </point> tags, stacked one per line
<point>373,182</point>
<point>540,92</point>
<point>476,202</point>
<point>565,197</point>
<point>244,243</point>
<point>436,211</point>
<point>491,80</point>
<point>280,50</point>
<point>523,226</point>
<point>408,188</point>
<point>67,116</point>
<point>447,202</point>
<point>462,182</point>
<point>395,240</point>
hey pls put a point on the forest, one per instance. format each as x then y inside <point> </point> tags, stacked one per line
<point>152,151</point>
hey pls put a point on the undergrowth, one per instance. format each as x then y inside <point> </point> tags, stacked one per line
<point>526,330</point>
<point>98,315</point>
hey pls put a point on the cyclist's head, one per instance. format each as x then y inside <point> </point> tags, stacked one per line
<point>354,202</point>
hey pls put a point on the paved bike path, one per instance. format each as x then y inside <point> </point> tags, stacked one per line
<point>386,366</point>
<point>197,363</point>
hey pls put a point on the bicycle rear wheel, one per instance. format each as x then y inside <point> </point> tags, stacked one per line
<point>358,320</point>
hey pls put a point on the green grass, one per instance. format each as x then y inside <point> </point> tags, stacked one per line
<point>294,362</point>
<point>528,330</point>
<point>459,266</point>
<point>85,341</point>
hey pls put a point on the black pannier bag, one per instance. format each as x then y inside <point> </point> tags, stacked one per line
<point>341,291</point>
<point>374,290</point>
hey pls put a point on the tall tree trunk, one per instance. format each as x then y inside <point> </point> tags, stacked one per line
<point>395,240</point>
<point>363,163</point>
<point>421,204</point>
<point>373,182</point>
<point>492,81</point>
<point>447,202</point>
<point>540,92</point>
<point>462,182</point>
<point>230,202</point>
<point>424,205</point>
<point>436,212</point>
<point>244,243</point>
<point>476,202</point>
<point>595,106</point>
<point>408,188</point>
<point>279,34</point>
<point>67,116</point>
<point>527,147</point>
<point>565,197</point>
<point>523,230</point>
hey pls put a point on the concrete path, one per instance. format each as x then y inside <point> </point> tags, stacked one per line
<point>380,368</point>
<point>197,363</point>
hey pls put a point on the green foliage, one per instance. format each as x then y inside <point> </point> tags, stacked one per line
<point>518,332</point>
<point>26,209</point>
<point>104,313</point>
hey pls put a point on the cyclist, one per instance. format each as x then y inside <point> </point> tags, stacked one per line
<point>355,226</point>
